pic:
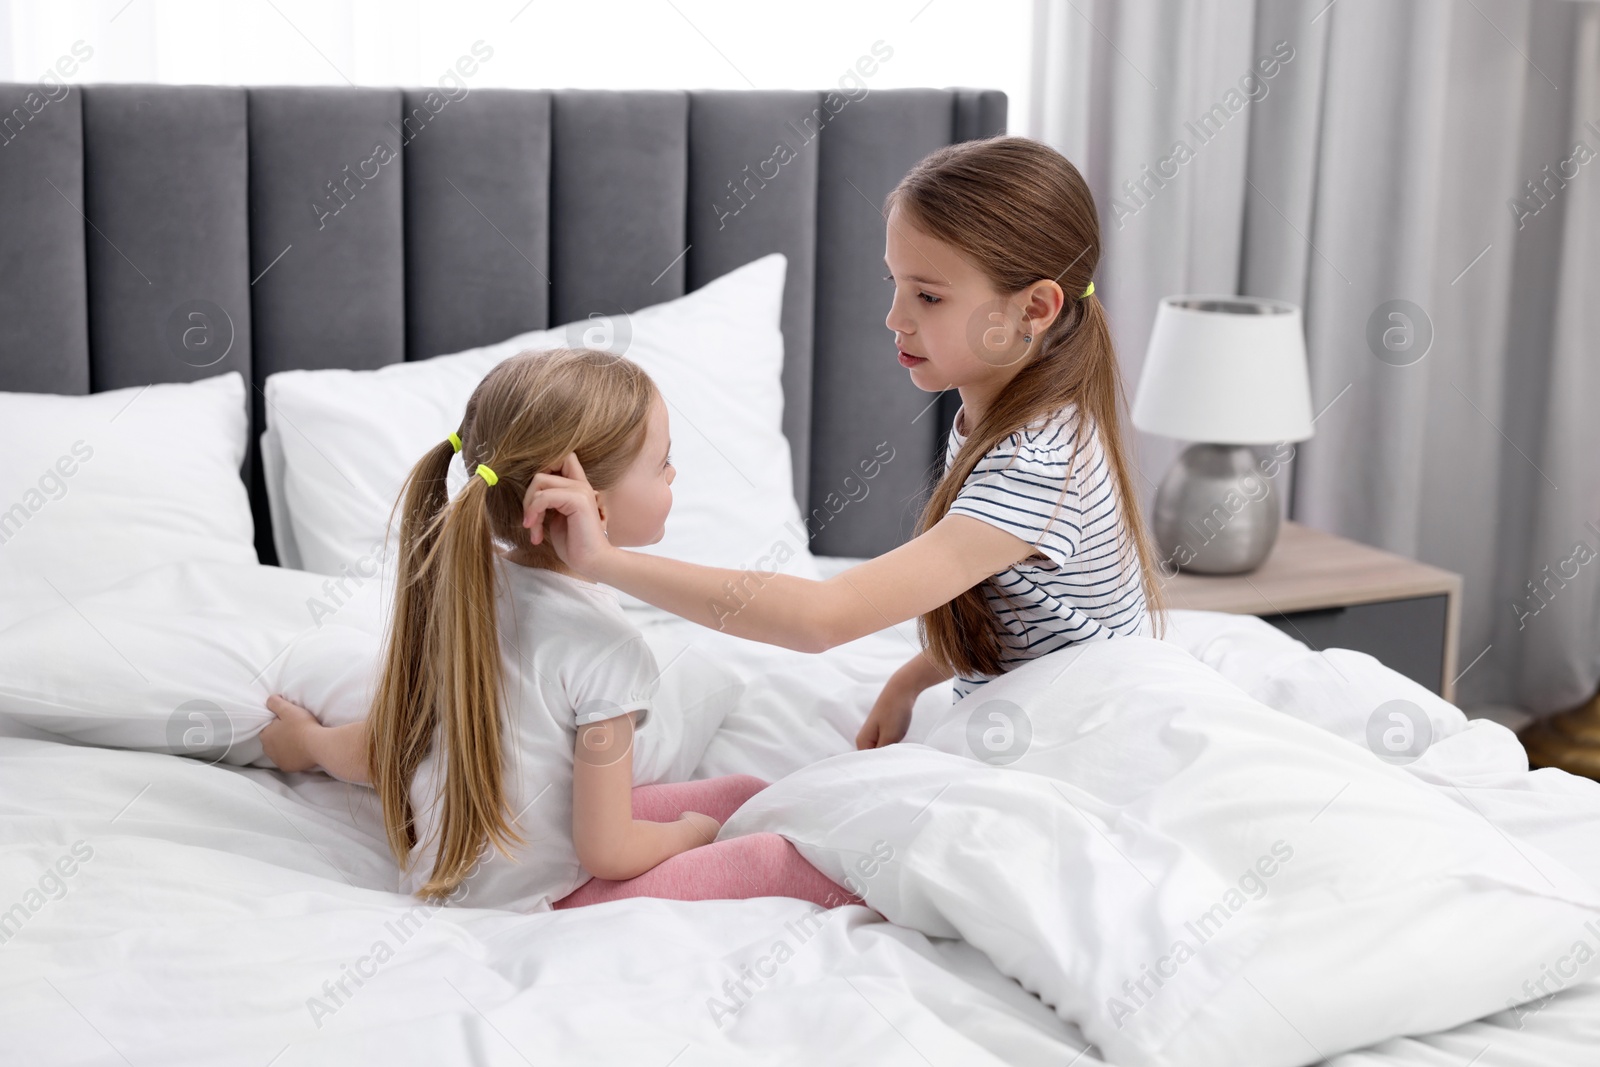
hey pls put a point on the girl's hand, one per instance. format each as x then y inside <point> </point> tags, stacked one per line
<point>568,501</point>
<point>705,828</point>
<point>889,719</point>
<point>284,739</point>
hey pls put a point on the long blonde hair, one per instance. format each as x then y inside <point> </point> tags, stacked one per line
<point>442,658</point>
<point>1020,212</point>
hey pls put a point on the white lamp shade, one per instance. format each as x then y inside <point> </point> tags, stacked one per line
<point>1225,370</point>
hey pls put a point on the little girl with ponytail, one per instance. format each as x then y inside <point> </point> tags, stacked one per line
<point>515,695</point>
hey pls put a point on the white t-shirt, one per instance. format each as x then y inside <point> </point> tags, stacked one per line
<point>1074,589</point>
<point>570,657</point>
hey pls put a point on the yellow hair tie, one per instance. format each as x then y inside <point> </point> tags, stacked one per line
<point>488,475</point>
<point>1087,292</point>
<point>455,442</point>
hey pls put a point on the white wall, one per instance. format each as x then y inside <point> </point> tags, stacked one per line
<point>623,44</point>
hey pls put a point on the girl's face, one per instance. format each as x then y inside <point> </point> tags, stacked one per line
<point>951,326</point>
<point>634,510</point>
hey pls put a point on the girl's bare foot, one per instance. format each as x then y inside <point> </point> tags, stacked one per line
<point>284,739</point>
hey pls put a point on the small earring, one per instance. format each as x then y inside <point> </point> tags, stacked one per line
<point>1027,338</point>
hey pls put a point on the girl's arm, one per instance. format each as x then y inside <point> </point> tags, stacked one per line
<point>611,843</point>
<point>296,741</point>
<point>779,609</point>
<point>890,716</point>
<point>919,673</point>
<point>810,616</point>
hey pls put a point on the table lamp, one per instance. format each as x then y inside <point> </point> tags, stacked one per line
<point>1224,372</point>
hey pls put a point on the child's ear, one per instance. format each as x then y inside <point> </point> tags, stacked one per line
<point>1045,301</point>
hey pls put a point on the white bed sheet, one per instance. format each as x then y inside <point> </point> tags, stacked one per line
<point>222,907</point>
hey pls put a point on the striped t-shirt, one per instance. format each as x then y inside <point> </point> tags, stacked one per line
<point>1073,589</point>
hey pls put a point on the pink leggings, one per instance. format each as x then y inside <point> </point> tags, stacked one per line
<point>755,865</point>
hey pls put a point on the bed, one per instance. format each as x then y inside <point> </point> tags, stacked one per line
<point>178,910</point>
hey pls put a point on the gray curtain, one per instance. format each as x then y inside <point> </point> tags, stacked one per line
<point>1444,153</point>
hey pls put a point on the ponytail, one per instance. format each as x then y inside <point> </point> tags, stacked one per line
<point>442,669</point>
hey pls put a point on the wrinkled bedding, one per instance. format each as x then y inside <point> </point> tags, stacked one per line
<point>168,910</point>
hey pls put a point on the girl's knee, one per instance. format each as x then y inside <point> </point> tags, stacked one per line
<point>769,851</point>
<point>746,785</point>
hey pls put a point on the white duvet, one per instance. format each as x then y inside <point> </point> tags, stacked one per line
<point>1192,877</point>
<point>219,914</point>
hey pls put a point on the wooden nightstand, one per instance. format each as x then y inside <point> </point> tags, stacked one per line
<point>1334,593</point>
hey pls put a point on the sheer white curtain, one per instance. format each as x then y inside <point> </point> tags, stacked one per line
<point>1437,152</point>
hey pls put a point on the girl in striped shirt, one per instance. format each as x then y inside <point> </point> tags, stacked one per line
<point>1032,539</point>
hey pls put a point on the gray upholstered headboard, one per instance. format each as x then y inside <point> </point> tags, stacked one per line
<point>353,227</point>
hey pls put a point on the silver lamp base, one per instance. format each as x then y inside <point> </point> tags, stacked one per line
<point>1215,511</point>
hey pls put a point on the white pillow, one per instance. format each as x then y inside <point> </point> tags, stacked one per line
<point>181,659</point>
<point>96,488</point>
<point>346,439</point>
